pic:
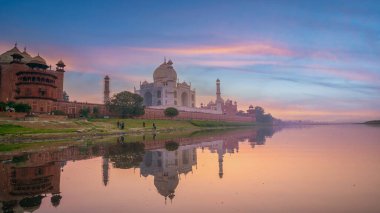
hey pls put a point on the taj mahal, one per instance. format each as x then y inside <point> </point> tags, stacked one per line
<point>166,91</point>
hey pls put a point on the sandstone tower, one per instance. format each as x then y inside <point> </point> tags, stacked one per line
<point>106,89</point>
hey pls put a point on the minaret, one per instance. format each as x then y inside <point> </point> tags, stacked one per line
<point>60,72</point>
<point>218,94</point>
<point>106,89</point>
<point>220,160</point>
<point>219,101</point>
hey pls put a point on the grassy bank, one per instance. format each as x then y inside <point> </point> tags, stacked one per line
<point>18,131</point>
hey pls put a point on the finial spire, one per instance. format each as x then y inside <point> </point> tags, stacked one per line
<point>16,44</point>
<point>165,59</point>
<point>24,48</point>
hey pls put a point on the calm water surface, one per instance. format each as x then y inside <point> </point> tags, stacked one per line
<point>313,169</point>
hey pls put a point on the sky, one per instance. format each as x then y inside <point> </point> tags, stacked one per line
<point>299,60</point>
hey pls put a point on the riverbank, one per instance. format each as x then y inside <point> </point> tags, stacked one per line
<point>374,122</point>
<point>19,131</point>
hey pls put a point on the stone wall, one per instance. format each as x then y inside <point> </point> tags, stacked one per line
<point>183,115</point>
<point>12,115</point>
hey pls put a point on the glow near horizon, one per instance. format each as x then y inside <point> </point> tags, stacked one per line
<point>299,60</point>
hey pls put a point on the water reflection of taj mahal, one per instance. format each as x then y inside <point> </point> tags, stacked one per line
<point>167,166</point>
<point>26,179</point>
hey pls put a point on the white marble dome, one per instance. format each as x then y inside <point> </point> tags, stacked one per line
<point>165,72</point>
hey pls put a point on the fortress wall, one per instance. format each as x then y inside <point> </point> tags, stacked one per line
<point>183,115</point>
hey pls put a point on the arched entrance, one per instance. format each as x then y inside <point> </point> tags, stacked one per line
<point>148,99</point>
<point>185,99</point>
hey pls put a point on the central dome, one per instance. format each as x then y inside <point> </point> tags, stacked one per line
<point>165,72</point>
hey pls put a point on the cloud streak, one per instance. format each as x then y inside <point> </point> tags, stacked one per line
<point>253,49</point>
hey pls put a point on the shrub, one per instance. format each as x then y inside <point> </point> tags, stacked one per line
<point>2,106</point>
<point>20,107</point>
<point>171,112</point>
<point>58,112</point>
<point>84,112</point>
<point>171,146</point>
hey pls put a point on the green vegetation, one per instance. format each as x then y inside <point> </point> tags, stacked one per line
<point>17,107</point>
<point>171,146</point>
<point>261,117</point>
<point>11,147</point>
<point>171,112</point>
<point>20,158</point>
<point>30,131</point>
<point>95,112</point>
<point>58,112</point>
<point>16,129</point>
<point>126,104</point>
<point>374,122</point>
<point>84,112</point>
<point>20,107</point>
<point>2,106</point>
<point>138,123</point>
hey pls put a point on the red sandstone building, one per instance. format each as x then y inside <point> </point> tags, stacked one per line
<point>30,80</point>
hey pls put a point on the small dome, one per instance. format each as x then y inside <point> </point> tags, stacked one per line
<point>37,61</point>
<point>165,72</point>
<point>107,77</point>
<point>60,63</point>
<point>26,55</point>
<point>7,56</point>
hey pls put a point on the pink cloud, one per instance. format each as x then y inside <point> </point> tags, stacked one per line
<point>235,49</point>
<point>355,75</point>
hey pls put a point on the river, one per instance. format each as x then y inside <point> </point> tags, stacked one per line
<point>329,168</point>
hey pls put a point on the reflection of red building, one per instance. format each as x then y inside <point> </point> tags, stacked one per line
<point>22,186</point>
<point>28,178</point>
<point>30,80</point>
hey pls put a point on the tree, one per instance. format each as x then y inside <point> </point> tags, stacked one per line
<point>171,145</point>
<point>126,104</point>
<point>171,112</point>
<point>58,112</point>
<point>95,111</point>
<point>261,117</point>
<point>84,112</point>
<point>2,106</point>
<point>259,112</point>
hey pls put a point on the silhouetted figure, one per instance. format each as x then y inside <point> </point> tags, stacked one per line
<point>144,124</point>
<point>118,124</point>
<point>122,125</point>
<point>154,126</point>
